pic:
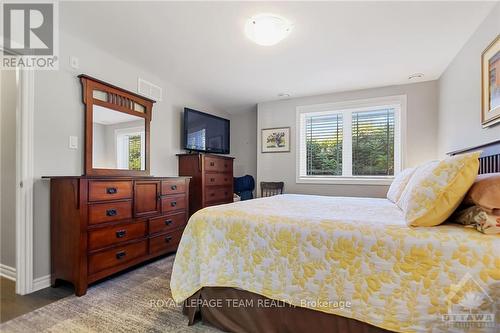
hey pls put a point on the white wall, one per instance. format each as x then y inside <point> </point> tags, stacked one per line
<point>244,142</point>
<point>8,97</point>
<point>422,115</point>
<point>59,113</point>
<point>460,92</point>
<point>100,154</point>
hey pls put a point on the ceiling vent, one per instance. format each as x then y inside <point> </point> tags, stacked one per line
<point>150,90</point>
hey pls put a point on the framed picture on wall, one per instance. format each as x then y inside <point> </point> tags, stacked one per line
<point>275,140</point>
<point>490,84</point>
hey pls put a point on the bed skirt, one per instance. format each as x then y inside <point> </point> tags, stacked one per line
<point>235,310</point>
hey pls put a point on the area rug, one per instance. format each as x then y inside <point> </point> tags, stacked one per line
<point>136,301</point>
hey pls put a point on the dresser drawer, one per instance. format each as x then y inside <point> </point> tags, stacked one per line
<point>218,179</point>
<point>173,186</point>
<point>218,194</point>
<point>165,243</point>
<point>166,223</point>
<point>103,237</point>
<point>116,256</point>
<point>109,190</point>
<point>110,211</point>
<point>173,203</point>
<point>218,164</point>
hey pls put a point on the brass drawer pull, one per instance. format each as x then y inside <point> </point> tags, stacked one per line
<point>168,239</point>
<point>212,163</point>
<point>121,255</point>
<point>168,222</point>
<point>173,187</point>
<point>212,179</point>
<point>173,203</point>
<point>121,233</point>
<point>111,212</point>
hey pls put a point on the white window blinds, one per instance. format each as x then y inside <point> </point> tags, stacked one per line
<point>373,143</point>
<point>324,144</point>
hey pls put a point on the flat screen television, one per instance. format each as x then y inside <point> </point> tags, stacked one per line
<point>204,132</point>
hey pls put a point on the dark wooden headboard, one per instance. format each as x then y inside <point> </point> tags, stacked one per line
<point>489,161</point>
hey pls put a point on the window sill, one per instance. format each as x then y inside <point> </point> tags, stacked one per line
<point>345,180</point>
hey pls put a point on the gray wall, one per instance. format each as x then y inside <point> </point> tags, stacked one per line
<point>101,152</point>
<point>422,115</point>
<point>59,113</point>
<point>460,92</point>
<point>244,142</point>
<point>8,168</point>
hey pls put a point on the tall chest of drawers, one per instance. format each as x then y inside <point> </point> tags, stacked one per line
<point>102,225</point>
<point>212,179</point>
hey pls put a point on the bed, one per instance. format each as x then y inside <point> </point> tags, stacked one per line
<point>292,263</point>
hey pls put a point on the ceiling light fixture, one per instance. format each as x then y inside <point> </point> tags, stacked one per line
<point>416,76</point>
<point>284,95</point>
<point>267,29</point>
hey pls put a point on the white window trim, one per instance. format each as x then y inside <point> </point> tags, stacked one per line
<point>346,108</point>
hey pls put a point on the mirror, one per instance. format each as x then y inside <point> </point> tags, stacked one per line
<point>117,123</point>
<point>118,140</point>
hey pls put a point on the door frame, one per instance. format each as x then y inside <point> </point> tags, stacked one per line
<point>25,106</point>
<point>25,110</point>
<point>24,179</point>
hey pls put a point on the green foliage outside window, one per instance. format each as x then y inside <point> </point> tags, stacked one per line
<point>324,157</point>
<point>134,152</point>
<point>373,143</point>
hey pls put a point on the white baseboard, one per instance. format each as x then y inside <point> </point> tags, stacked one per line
<point>41,283</point>
<point>38,283</point>
<point>8,272</point>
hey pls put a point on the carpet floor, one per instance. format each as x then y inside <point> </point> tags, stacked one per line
<point>137,301</point>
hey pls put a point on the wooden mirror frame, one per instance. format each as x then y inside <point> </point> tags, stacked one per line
<point>120,100</point>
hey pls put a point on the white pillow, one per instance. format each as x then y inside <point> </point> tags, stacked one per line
<point>399,184</point>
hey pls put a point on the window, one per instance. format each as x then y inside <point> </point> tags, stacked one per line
<point>373,143</point>
<point>134,152</point>
<point>324,144</point>
<point>350,142</point>
<point>130,148</point>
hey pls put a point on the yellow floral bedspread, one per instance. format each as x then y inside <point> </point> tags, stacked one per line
<point>315,251</point>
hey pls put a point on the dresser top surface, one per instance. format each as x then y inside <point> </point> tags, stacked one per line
<point>207,155</point>
<point>117,177</point>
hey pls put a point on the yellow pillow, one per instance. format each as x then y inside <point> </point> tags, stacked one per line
<point>399,184</point>
<point>436,189</point>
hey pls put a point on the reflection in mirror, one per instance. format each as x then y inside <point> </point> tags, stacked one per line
<point>118,140</point>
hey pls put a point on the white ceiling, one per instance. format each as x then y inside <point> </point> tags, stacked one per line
<point>334,46</point>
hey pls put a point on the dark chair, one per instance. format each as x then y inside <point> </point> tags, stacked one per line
<point>268,189</point>
<point>244,186</point>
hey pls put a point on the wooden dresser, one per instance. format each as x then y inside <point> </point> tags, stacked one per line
<point>212,179</point>
<point>101,225</point>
